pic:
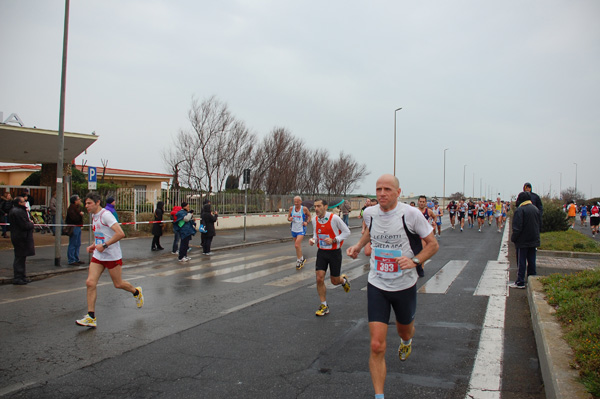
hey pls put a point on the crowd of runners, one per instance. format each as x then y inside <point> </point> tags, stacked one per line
<point>583,210</point>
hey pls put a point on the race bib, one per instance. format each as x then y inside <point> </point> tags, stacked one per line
<point>385,262</point>
<point>322,243</point>
<point>99,238</point>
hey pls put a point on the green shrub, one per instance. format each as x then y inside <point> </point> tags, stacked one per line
<point>554,219</point>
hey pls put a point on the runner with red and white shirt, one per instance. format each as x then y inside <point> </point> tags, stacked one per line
<point>107,254</point>
<point>329,235</point>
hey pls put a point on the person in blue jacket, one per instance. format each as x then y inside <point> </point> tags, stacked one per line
<point>186,227</point>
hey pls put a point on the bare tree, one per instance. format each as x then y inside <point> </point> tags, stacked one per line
<point>570,194</point>
<point>275,162</point>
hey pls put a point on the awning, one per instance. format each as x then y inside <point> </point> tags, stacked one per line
<point>31,145</point>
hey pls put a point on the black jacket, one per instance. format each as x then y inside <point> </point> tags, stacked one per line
<point>21,231</point>
<point>526,226</point>
<point>157,227</point>
<point>209,221</point>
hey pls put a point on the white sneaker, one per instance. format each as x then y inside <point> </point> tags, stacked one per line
<point>185,259</point>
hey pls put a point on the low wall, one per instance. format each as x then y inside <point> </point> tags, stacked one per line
<point>253,220</point>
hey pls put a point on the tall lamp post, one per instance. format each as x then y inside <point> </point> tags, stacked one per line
<point>61,140</point>
<point>575,177</point>
<point>464,171</point>
<point>444,192</point>
<point>395,112</point>
<point>560,186</point>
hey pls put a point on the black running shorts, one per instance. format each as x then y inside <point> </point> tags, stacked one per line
<point>331,258</point>
<point>594,221</point>
<point>403,302</point>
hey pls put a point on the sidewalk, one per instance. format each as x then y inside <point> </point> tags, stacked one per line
<point>42,266</point>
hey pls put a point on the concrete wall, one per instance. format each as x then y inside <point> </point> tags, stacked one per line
<point>237,221</point>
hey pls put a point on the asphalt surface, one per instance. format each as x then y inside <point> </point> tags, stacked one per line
<point>219,328</point>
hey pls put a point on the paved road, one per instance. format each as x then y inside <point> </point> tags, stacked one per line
<point>242,324</point>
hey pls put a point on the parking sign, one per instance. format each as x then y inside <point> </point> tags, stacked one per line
<point>92,178</point>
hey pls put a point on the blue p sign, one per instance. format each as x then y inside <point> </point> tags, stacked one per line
<point>92,174</point>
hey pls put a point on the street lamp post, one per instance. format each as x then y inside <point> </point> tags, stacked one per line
<point>464,171</point>
<point>444,192</point>
<point>61,140</point>
<point>560,186</point>
<point>395,112</point>
<point>575,177</point>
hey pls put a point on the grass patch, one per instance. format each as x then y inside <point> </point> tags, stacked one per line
<point>576,298</point>
<point>569,240</point>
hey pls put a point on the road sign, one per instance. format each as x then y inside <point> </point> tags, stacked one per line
<point>92,178</point>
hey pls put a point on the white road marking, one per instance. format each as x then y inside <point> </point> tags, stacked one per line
<point>352,269</point>
<point>443,279</point>
<point>267,272</point>
<point>232,269</point>
<point>205,265</point>
<point>5,301</point>
<point>486,377</point>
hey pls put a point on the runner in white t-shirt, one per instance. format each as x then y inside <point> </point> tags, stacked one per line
<point>106,252</point>
<point>392,227</point>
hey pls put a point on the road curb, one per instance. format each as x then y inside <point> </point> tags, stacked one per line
<point>567,254</point>
<point>555,355</point>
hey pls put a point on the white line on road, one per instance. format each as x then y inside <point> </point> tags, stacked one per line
<point>232,269</point>
<point>443,279</point>
<point>486,377</point>
<point>5,301</point>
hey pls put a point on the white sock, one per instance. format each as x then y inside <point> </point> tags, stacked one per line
<point>406,342</point>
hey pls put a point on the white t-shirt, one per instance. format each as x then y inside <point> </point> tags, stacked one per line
<point>389,241</point>
<point>102,223</point>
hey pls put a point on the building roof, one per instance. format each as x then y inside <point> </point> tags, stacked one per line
<point>110,172</point>
<point>31,145</point>
<point>122,173</point>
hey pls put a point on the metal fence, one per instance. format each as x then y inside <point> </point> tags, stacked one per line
<point>144,201</point>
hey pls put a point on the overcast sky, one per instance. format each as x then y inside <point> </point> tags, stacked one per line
<point>511,87</point>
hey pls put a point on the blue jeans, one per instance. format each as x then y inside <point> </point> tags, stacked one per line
<point>176,238</point>
<point>345,218</point>
<point>74,244</point>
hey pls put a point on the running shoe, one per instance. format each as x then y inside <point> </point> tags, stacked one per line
<point>346,283</point>
<point>175,253</point>
<point>300,263</point>
<point>86,321</point>
<point>322,311</point>
<point>515,285</point>
<point>185,259</point>
<point>139,298</point>
<point>404,351</point>
<point>207,253</point>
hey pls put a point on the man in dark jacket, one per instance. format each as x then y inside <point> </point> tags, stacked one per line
<point>526,237</point>
<point>535,200</point>
<point>21,235</point>
<point>209,219</point>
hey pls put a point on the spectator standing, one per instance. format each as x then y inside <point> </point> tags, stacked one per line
<point>526,237</point>
<point>157,227</point>
<point>110,206</point>
<point>176,237</point>
<point>52,213</point>
<point>21,235</point>
<point>346,209</point>
<point>209,218</point>
<point>6,204</point>
<point>74,217</point>
<point>186,227</point>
